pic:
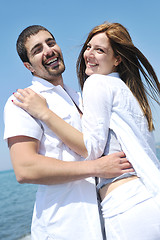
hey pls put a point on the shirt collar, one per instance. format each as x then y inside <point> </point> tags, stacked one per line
<point>42,84</point>
<point>114,74</point>
<point>75,96</point>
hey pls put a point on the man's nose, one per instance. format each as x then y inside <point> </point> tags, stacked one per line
<point>47,50</point>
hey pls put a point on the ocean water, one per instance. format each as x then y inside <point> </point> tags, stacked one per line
<point>158,152</point>
<point>16,206</point>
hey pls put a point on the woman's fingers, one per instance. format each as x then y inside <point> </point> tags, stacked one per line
<point>31,102</point>
<point>19,96</point>
<point>24,94</point>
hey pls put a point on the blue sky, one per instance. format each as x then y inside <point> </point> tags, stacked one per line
<point>70,22</point>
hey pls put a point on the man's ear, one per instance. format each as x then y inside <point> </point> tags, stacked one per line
<point>28,66</point>
<point>118,60</point>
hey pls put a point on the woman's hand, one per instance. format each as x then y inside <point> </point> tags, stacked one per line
<point>31,102</point>
<point>36,106</point>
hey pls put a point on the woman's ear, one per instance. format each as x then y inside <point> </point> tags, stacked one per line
<point>118,60</point>
<point>28,66</point>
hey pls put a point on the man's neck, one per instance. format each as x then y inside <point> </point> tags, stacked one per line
<point>55,80</point>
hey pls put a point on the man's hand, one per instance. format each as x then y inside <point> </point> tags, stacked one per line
<point>112,165</point>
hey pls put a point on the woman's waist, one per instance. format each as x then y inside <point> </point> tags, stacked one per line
<point>106,189</point>
<point>124,197</point>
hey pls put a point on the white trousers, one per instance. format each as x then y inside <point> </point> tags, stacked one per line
<point>130,213</point>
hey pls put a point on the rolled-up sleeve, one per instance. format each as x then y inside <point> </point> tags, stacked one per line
<point>97,101</point>
<point>18,122</point>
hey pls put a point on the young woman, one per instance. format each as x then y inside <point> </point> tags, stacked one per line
<point>117,116</point>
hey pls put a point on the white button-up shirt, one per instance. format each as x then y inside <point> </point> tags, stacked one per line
<point>109,103</point>
<point>62,211</point>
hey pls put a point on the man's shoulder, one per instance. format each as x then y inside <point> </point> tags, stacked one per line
<point>11,97</point>
<point>34,88</point>
<point>18,122</point>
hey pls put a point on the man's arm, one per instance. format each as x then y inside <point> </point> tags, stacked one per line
<point>31,167</point>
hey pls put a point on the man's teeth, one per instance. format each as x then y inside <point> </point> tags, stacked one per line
<point>52,61</point>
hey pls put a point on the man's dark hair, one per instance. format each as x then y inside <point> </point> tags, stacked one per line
<point>25,34</point>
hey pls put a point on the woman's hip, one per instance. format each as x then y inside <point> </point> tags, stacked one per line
<point>124,197</point>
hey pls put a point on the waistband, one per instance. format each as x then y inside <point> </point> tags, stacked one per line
<point>124,197</point>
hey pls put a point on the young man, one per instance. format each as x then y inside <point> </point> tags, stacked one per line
<point>66,202</point>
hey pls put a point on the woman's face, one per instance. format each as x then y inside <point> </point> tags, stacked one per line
<point>99,56</point>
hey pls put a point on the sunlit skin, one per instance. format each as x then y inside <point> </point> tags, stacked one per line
<point>45,56</point>
<point>99,56</point>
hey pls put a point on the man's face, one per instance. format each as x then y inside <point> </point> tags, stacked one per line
<point>45,56</point>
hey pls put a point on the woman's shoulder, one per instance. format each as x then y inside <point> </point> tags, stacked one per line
<point>112,80</point>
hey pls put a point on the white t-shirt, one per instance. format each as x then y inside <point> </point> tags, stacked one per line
<point>109,104</point>
<point>64,211</point>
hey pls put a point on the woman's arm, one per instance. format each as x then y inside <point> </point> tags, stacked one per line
<point>97,101</point>
<point>95,120</point>
<point>36,105</point>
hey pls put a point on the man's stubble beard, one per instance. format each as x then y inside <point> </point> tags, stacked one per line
<point>52,76</point>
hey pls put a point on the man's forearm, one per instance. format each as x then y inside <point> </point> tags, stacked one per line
<point>48,171</point>
<point>31,167</point>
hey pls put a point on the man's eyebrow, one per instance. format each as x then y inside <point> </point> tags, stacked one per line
<point>49,39</point>
<point>36,46</point>
<point>39,44</point>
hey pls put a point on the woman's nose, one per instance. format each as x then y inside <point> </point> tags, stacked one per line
<point>90,53</point>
